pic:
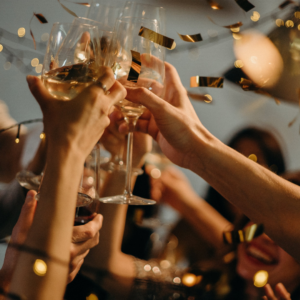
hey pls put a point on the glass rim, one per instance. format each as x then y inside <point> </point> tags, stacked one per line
<point>71,24</point>
<point>104,31</point>
<point>144,4</point>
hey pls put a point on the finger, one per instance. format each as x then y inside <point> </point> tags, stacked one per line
<point>117,93</point>
<point>77,259</point>
<point>73,274</point>
<point>269,292</point>
<point>282,292</point>
<point>82,247</point>
<point>87,231</point>
<point>105,79</point>
<point>38,90</point>
<point>25,220</point>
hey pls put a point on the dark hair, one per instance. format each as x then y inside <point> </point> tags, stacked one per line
<point>273,156</point>
<point>266,142</point>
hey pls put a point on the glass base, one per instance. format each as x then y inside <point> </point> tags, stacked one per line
<point>29,180</point>
<point>131,200</point>
<point>112,167</point>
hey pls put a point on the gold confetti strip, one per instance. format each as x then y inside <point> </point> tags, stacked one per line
<point>285,3</point>
<point>157,38</point>
<point>135,68</point>
<point>42,20</point>
<point>214,5</point>
<point>68,10</point>
<point>199,97</point>
<point>245,5</point>
<point>216,82</point>
<point>80,3</point>
<point>235,25</point>
<point>245,235</point>
<point>191,38</point>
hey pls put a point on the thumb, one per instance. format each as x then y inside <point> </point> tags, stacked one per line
<point>38,90</point>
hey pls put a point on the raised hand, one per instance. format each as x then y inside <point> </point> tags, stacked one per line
<point>82,120</point>
<point>171,121</point>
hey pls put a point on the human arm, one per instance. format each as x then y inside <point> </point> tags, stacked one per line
<point>107,255</point>
<point>72,129</point>
<point>262,195</point>
<point>173,188</point>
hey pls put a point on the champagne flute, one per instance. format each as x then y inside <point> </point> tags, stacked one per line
<point>126,39</point>
<point>72,62</point>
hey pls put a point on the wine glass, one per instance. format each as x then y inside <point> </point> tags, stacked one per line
<point>125,44</point>
<point>105,14</point>
<point>72,62</point>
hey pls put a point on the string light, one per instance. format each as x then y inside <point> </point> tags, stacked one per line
<point>39,267</point>
<point>260,278</point>
<point>253,157</point>
<point>17,140</point>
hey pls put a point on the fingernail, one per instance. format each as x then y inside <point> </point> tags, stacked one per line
<point>29,196</point>
<point>30,80</point>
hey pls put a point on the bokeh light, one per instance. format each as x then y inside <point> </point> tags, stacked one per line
<point>237,29</point>
<point>165,264</point>
<point>39,68</point>
<point>92,297</point>
<point>42,135</point>
<point>35,62</point>
<point>208,98</point>
<point>7,66</point>
<point>262,61</point>
<point>21,32</point>
<point>45,37</point>
<point>17,140</point>
<point>177,280</point>
<point>39,267</point>
<point>289,23</point>
<point>238,63</point>
<point>236,36</point>
<point>255,16</point>
<point>1,47</point>
<point>260,278</point>
<point>279,22</point>
<point>253,157</point>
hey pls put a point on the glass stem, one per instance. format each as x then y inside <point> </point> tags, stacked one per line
<point>127,192</point>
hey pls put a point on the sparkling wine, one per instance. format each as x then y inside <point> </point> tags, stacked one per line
<point>67,82</point>
<point>130,109</point>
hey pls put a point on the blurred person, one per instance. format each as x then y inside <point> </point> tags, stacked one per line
<point>260,194</point>
<point>175,188</point>
<point>72,129</point>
